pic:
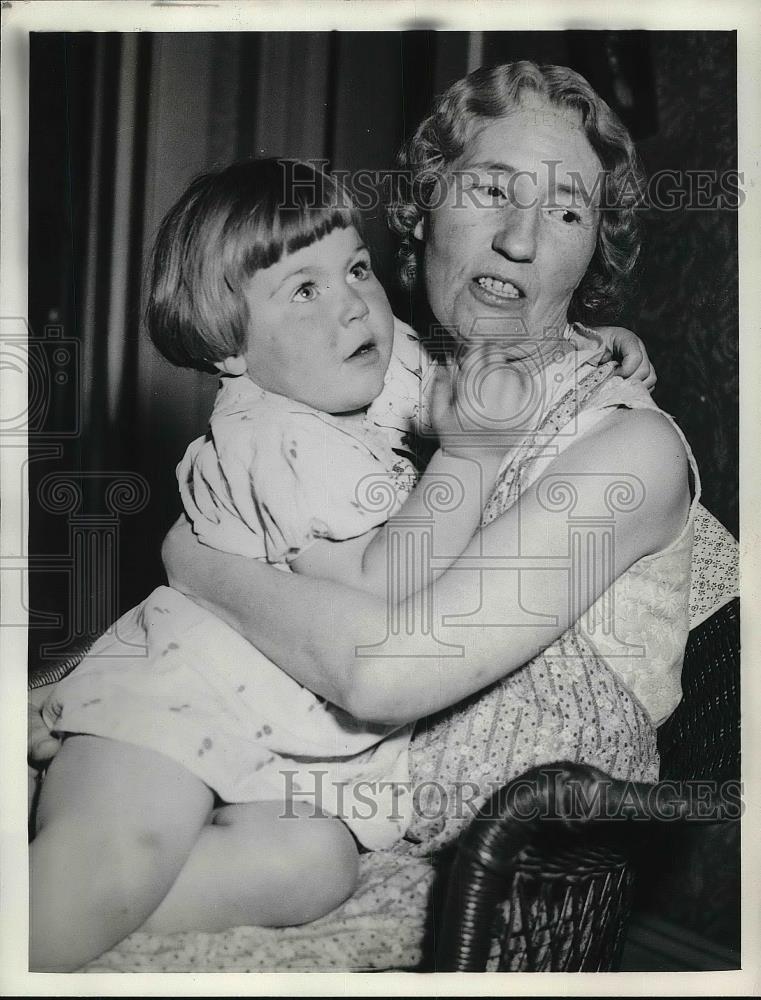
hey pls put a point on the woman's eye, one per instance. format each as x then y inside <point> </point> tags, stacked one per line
<point>566,215</point>
<point>493,193</point>
<point>361,270</point>
<point>305,293</point>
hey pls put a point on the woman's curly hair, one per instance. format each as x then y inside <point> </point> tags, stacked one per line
<point>491,93</point>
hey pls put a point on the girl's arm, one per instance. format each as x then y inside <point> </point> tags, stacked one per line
<point>451,494</point>
<point>323,634</point>
<point>362,563</point>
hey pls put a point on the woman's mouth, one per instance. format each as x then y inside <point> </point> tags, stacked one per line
<point>498,288</point>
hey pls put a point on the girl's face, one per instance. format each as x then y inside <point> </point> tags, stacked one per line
<point>320,327</point>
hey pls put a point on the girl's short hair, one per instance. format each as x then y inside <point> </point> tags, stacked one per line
<point>227,225</point>
<point>491,93</point>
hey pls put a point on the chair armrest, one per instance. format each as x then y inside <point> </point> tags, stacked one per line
<point>530,829</point>
<point>702,737</point>
<point>572,916</point>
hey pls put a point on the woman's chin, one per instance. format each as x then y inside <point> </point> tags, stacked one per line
<point>490,324</point>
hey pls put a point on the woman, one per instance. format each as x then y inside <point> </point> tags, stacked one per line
<point>523,218</point>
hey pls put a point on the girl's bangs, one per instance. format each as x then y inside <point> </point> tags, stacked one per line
<point>302,215</point>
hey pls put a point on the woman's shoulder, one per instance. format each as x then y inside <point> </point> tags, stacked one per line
<point>652,436</point>
<point>642,457</point>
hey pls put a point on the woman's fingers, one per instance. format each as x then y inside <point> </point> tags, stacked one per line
<point>41,743</point>
<point>651,380</point>
<point>639,368</point>
<point>631,354</point>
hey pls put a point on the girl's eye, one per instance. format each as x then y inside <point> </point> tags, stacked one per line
<point>361,270</point>
<point>305,293</point>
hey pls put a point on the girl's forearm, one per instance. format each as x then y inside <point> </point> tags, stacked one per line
<point>449,498</point>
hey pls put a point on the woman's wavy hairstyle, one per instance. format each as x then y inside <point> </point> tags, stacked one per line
<point>228,224</point>
<point>491,93</point>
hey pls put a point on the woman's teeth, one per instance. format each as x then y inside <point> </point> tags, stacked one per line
<point>497,287</point>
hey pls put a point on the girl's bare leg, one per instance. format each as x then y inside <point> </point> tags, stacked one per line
<point>116,824</point>
<point>252,865</point>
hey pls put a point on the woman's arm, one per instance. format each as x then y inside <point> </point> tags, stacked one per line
<point>316,630</point>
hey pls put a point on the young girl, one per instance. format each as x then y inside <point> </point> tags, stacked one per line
<point>259,271</point>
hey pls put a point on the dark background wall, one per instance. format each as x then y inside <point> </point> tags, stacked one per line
<point>120,123</point>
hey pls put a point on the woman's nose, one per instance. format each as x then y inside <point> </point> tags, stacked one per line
<point>517,234</point>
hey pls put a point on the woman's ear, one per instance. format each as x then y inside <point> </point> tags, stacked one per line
<point>234,365</point>
<point>419,231</point>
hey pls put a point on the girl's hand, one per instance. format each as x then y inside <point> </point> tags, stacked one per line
<point>628,350</point>
<point>478,402</point>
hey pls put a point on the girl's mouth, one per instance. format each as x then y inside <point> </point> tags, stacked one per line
<point>366,350</point>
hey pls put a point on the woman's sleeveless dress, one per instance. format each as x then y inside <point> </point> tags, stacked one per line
<point>592,696</point>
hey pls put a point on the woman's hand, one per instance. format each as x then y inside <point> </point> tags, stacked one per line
<point>277,612</point>
<point>41,744</point>
<point>627,349</point>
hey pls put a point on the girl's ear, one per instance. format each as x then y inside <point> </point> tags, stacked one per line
<point>234,365</point>
<point>419,231</point>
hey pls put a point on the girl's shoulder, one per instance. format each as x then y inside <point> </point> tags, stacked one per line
<point>404,399</point>
<point>244,410</point>
<point>408,352</point>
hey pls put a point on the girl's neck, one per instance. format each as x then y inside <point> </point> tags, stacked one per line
<point>351,418</point>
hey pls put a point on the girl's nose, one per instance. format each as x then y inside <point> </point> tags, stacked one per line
<point>353,305</point>
<point>517,235</point>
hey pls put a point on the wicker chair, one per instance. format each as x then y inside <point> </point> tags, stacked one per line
<point>543,878</point>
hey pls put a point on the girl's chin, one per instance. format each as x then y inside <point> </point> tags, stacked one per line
<point>360,404</point>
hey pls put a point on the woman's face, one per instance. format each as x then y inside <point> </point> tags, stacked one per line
<point>514,233</point>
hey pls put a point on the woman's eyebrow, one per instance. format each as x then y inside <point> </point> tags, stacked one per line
<point>492,167</point>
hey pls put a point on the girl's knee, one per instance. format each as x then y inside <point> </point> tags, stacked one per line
<point>311,861</point>
<point>324,860</point>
